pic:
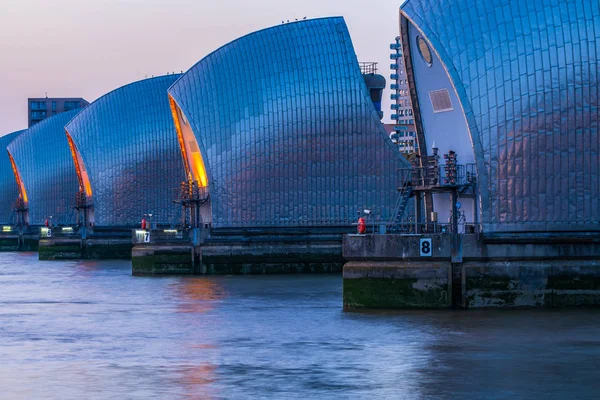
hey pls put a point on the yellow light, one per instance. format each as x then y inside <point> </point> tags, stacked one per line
<point>194,164</point>
<point>22,191</point>
<point>170,231</point>
<point>82,175</point>
<point>7,229</point>
<point>67,229</point>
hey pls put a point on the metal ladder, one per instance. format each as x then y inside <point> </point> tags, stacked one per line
<point>405,191</point>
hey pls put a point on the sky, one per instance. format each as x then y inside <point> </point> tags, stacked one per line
<point>86,48</point>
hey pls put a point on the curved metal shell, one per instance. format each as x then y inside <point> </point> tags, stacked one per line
<point>286,130</point>
<point>43,160</point>
<point>9,190</point>
<point>128,146</point>
<point>526,73</point>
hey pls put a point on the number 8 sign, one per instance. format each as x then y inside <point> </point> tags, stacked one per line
<point>425,247</point>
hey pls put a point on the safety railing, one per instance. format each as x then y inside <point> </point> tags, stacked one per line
<point>419,228</point>
<point>439,176</point>
<point>367,68</point>
<point>189,192</point>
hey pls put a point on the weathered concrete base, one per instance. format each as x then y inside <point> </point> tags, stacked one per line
<point>396,284</point>
<point>9,243</point>
<point>151,260</point>
<point>15,242</point>
<point>90,249</point>
<point>239,257</point>
<point>60,249</point>
<point>262,268</point>
<point>107,249</point>
<point>388,271</point>
<point>29,243</point>
<point>272,258</point>
<point>557,283</point>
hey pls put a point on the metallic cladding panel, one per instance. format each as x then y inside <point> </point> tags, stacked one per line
<point>9,190</point>
<point>526,72</point>
<point>287,130</point>
<point>44,161</point>
<point>129,146</point>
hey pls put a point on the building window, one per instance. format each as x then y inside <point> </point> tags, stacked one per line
<point>38,105</point>
<point>53,105</point>
<point>71,105</point>
<point>38,114</point>
<point>424,51</point>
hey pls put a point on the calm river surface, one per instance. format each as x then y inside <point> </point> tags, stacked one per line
<point>75,330</point>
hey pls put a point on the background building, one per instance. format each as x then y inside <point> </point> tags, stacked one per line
<point>512,87</point>
<point>9,191</point>
<point>402,112</point>
<point>44,169</point>
<point>39,109</point>
<point>404,136</point>
<point>293,138</point>
<point>375,84</point>
<point>126,151</point>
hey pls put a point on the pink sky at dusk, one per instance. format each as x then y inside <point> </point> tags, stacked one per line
<point>81,48</point>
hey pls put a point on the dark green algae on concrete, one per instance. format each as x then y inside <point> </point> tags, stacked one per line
<point>577,284</point>
<point>101,251</point>
<point>397,284</point>
<point>59,251</point>
<point>77,249</point>
<point>162,260</point>
<point>272,268</point>
<point>9,244</point>
<point>550,284</point>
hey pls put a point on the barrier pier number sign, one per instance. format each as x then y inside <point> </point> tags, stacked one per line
<point>425,247</point>
<point>142,236</point>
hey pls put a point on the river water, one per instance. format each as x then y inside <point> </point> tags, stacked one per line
<point>73,330</point>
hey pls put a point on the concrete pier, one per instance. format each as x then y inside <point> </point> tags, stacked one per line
<point>74,244</point>
<point>16,241</point>
<point>60,249</point>
<point>9,242</point>
<point>272,256</point>
<point>394,284</point>
<point>84,249</point>
<point>240,252</point>
<point>390,271</point>
<point>152,260</point>
<point>115,248</point>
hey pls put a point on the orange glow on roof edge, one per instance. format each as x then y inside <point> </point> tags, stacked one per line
<point>22,191</point>
<point>194,165</point>
<point>84,180</point>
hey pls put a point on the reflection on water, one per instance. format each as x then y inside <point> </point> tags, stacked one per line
<point>197,295</point>
<point>91,330</point>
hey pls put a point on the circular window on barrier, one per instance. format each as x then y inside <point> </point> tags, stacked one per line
<point>424,50</point>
